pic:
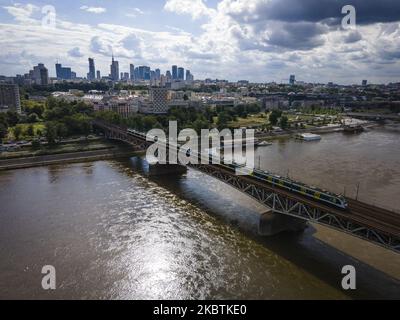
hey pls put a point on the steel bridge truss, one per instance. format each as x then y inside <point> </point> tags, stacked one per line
<point>282,204</point>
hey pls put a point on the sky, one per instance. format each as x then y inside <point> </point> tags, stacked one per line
<point>256,40</point>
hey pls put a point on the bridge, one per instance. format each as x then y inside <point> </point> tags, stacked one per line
<point>373,224</point>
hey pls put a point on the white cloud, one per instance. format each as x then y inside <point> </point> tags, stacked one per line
<point>134,12</point>
<point>96,10</point>
<point>195,8</point>
<point>23,13</point>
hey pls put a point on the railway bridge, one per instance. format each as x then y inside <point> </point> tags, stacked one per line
<point>370,223</point>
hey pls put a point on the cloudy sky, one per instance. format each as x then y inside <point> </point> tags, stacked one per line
<point>258,40</point>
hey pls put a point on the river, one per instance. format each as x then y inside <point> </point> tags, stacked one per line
<point>113,233</point>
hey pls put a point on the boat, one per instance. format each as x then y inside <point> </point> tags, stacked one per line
<point>353,129</point>
<point>263,144</point>
<point>308,137</point>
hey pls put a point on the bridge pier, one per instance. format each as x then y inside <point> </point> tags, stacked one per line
<point>166,169</point>
<point>273,223</point>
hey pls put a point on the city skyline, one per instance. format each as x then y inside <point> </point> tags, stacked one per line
<point>260,41</point>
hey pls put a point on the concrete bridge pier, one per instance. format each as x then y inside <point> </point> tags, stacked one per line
<point>166,169</point>
<point>273,223</point>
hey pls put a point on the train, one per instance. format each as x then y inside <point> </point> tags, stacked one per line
<point>323,196</point>
<point>314,193</point>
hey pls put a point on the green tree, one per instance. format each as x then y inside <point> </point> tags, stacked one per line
<point>273,118</point>
<point>12,118</point>
<point>30,131</point>
<point>32,118</point>
<point>284,122</point>
<point>17,132</point>
<point>223,119</point>
<point>51,132</point>
<point>62,130</point>
<point>3,131</point>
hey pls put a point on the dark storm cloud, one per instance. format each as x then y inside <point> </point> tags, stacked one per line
<point>329,11</point>
<point>298,36</point>
<point>302,24</point>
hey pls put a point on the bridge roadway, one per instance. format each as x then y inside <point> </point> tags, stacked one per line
<point>362,220</point>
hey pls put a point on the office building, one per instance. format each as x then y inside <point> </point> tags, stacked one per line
<point>158,74</point>
<point>98,75</point>
<point>189,76</point>
<point>181,74</point>
<point>174,72</point>
<point>364,83</point>
<point>39,75</point>
<point>9,98</point>
<point>114,70</point>
<point>292,79</point>
<point>159,98</point>
<point>92,70</point>
<point>63,73</point>
<point>168,76</point>
<point>132,72</point>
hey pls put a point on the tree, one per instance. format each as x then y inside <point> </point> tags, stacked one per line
<point>17,132</point>
<point>51,132</point>
<point>12,118</point>
<point>30,131</point>
<point>284,122</point>
<point>223,119</point>
<point>200,124</point>
<point>3,131</point>
<point>273,118</point>
<point>32,118</point>
<point>62,130</point>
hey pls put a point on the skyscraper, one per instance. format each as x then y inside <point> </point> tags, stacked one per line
<point>174,72</point>
<point>63,73</point>
<point>181,74</point>
<point>189,76</point>
<point>144,73</point>
<point>132,71</point>
<point>92,70</point>
<point>39,75</point>
<point>9,97</point>
<point>158,74</point>
<point>98,75</point>
<point>114,70</point>
<point>168,76</point>
<point>292,79</point>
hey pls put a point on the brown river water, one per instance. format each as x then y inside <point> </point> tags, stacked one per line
<point>111,232</point>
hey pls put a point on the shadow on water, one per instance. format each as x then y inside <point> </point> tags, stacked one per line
<point>302,249</point>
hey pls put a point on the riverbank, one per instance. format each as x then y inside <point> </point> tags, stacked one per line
<point>316,130</point>
<point>73,157</point>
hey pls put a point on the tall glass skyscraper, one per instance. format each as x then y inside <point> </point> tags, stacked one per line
<point>114,69</point>
<point>92,70</point>
<point>63,73</point>
<point>132,71</point>
<point>181,74</point>
<point>174,72</point>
